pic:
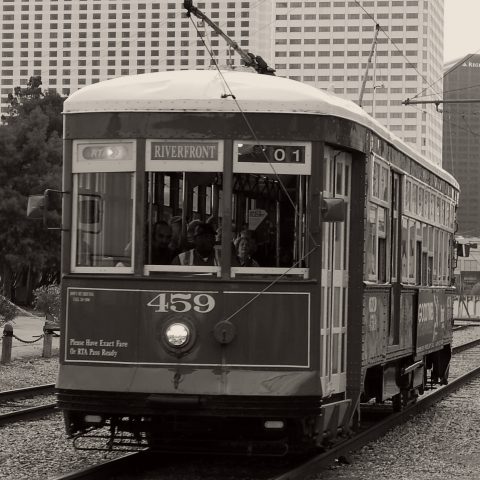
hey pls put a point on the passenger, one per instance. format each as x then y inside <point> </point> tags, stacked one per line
<point>203,253</point>
<point>176,242</point>
<point>217,225</point>
<point>162,254</point>
<point>190,230</point>
<point>245,247</point>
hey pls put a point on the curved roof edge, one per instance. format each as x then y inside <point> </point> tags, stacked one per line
<point>211,91</point>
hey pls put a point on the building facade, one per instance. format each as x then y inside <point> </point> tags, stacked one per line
<point>461,137</point>
<point>72,43</point>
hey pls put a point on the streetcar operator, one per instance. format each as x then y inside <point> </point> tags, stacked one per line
<point>203,252</point>
<point>162,254</point>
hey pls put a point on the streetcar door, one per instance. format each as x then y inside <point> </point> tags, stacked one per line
<point>334,277</point>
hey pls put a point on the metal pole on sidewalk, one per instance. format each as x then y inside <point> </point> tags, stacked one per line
<point>47,340</point>
<point>7,344</point>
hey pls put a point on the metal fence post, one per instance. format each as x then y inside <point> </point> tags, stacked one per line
<point>47,340</point>
<point>7,344</point>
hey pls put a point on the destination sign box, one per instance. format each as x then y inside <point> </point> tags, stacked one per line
<point>271,154</point>
<point>184,155</point>
<point>271,157</point>
<point>107,156</point>
<point>184,151</point>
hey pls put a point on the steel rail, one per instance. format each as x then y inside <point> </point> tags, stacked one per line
<point>465,346</point>
<point>319,462</point>
<point>27,413</point>
<point>21,392</point>
<point>101,470</point>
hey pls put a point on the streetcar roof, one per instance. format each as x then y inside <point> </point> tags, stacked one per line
<point>210,91</point>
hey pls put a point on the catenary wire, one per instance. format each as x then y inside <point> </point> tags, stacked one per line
<point>392,42</point>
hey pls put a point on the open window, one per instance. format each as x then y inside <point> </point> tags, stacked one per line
<point>184,181</point>
<point>269,208</point>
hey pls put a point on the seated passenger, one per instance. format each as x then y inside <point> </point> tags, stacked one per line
<point>217,225</point>
<point>203,252</point>
<point>176,242</point>
<point>245,247</point>
<point>190,231</point>
<point>162,254</point>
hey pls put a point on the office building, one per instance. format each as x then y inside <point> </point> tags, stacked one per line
<point>72,43</point>
<point>461,137</point>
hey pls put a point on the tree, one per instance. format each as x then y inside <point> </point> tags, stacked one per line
<point>30,162</point>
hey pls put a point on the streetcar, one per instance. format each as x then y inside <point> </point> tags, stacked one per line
<point>346,297</point>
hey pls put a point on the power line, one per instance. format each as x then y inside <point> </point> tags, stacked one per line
<point>393,43</point>
<point>446,73</point>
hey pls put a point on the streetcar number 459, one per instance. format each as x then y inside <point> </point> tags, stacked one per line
<point>182,302</point>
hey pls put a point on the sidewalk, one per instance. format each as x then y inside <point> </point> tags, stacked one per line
<point>29,327</point>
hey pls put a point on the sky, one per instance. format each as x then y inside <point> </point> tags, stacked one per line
<point>462,28</point>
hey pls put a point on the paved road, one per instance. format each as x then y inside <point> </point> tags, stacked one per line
<point>29,327</point>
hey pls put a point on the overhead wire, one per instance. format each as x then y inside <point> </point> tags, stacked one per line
<point>282,185</point>
<point>454,90</point>
<point>252,131</point>
<point>445,74</point>
<point>411,64</point>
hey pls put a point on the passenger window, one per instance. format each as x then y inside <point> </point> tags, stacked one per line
<point>269,208</point>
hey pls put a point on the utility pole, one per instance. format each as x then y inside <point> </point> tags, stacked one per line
<point>369,61</point>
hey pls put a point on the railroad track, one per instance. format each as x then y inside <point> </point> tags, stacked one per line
<point>22,412</point>
<point>23,392</point>
<point>471,350</point>
<point>465,346</point>
<point>127,466</point>
<point>105,469</point>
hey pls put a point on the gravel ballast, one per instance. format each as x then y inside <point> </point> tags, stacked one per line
<point>441,443</point>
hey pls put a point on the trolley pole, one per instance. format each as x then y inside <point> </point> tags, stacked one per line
<point>7,344</point>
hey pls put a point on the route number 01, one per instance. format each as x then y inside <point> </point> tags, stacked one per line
<point>280,155</point>
<point>182,302</point>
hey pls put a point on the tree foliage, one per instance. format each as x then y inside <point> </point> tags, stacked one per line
<point>30,162</point>
<point>47,300</point>
<point>8,311</point>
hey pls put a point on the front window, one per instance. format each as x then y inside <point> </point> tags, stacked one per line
<point>104,212</point>
<point>103,205</point>
<point>184,183</point>
<point>269,208</point>
<point>187,195</point>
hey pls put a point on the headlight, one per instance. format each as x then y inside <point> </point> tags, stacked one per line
<point>177,334</point>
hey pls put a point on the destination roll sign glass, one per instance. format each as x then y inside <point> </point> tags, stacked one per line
<point>184,155</point>
<point>249,153</point>
<point>184,151</point>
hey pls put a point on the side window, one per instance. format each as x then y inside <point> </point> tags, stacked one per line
<point>379,220</point>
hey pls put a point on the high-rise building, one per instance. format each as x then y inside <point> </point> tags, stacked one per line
<point>72,43</point>
<point>461,137</point>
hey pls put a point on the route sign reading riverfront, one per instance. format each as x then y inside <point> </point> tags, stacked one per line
<point>184,151</point>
